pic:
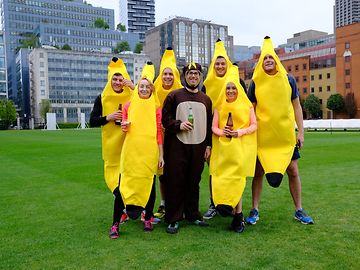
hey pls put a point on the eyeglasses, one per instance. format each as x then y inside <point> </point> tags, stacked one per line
<point>193,73</point>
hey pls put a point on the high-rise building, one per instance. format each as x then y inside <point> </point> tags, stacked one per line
<point>192,40</point>
<point>347,12</point>
<point>138,16</point>
<point>3,77</point>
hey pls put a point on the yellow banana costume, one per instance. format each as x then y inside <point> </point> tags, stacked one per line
<point>276,123</point>
<point>168,60</point>
<point>111,134</point>
<point>213,83</point>
<point>232,159</point>
<point>140,152</point>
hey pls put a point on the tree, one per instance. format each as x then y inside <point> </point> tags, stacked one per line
<point>138,48</point>
<point>30,41</point>
<point>312,106</point>
<point>100,23</point>
<point>45,107</point>
<point>350,105</point>
<point>121,27</point>
<point>66,47</point>
<point>7,113</point>
<point>122,47</point>
<point>336,103</point>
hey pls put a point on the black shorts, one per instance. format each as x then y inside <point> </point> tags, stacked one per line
<point>296,154</point>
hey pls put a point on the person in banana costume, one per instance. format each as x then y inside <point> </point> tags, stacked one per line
<point>277,108</point>
<point>167,81</point>
<point>234,149</point>
<point>142,152</point>
<point>105,113</point>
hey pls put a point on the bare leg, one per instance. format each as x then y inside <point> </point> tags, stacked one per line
<point>162,192</point>
<point>256,187</point>
<point>294,183</point>
<point>238,207</point>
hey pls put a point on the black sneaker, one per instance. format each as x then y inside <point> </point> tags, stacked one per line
<point>201,223</point>
<point>238,223</point>
<point>173,228</point>
<point>160,212</point>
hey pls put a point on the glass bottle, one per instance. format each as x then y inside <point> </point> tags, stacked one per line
<point>229,123</point>
<point>118,121</point>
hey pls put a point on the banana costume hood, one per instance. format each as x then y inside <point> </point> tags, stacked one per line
<point>168,60</point>
<point>232,159</point>
<point>112,135</point>
<point>140,153</point>
<point>213,83</point>
<point>275,114</point>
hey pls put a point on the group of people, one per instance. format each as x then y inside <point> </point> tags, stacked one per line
<point>170,128</point>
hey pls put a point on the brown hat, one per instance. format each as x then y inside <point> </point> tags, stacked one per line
<point>192,66</point>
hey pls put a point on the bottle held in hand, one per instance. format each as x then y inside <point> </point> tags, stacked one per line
<point>118,121</point>
<point>229,123</point>
<point>191,117</point>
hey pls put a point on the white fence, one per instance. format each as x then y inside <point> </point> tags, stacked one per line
<point>331,124</point>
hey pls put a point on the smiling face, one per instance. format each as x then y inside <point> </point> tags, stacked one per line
<point>220,66</point>
<point>117,83</point>
<point>145,89</point>
<point>192,78</point>
<point>167,78</point>
<point>269,65</point>
<point>231,92</point>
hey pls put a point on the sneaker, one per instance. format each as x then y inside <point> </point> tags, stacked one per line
<point>201,223</point>
<point>238,224</point>
<point>160,212</point>
<point>155,220</point>
<point>114,231</point>
<point>173,228</point>
<point>301,216</point>
<point>253,216</point>
<point>148,227</point>
<point>211,212</point>
<point>124,218</point>
<point>143,216</point>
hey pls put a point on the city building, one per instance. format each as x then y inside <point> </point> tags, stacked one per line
<point>307,39</point>
<point>242,52</point>
<point>138,16</point>
<point>346,12</point>
<point>348,63</point>
<point>3,77</point>
<point>192,40</point>
<point>71,80</point>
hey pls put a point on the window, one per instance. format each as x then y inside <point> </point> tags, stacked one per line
<point>41,64</point>
<point>347,58</point>
<point>304,66</point>
<point>347,85</point>
<point>328,75</point>
<point>320,101</point>
<point>289,68</point>
<point>312,89</point>
<point>320,76</point>
<point>328,88</point>
<point>304,90</point>
<point>296,67</point>
<point>297,79</point>
<point>347,45</point>
<point>347,71</point>
<point>304,78</point>
<point>312,77</point>
<point>320,89</point>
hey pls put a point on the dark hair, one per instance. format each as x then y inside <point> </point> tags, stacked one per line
<point>118,74</point>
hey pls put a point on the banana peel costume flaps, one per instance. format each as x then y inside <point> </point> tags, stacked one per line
<point>232,159</point>
<point>168,60</point>
<point>140,152</point>
<point>276,124</point>
<point>112,136</point>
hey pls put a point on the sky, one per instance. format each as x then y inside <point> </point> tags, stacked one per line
<point>249,21</point>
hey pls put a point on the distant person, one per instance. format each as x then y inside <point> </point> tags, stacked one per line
<point>234,150</point>
<point>167,81</point>
<point>142,152</point>
<point>187,121</point>
<point>107,113</point>
<point>276,100</point>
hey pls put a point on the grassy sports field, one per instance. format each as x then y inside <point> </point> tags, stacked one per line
<point>56,211</point>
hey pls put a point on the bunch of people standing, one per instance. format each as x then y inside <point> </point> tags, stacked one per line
<point>169,128</point>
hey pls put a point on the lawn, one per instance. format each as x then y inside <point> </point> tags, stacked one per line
<point>56,211</point>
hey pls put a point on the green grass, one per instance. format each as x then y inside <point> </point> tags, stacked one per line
<point>56,212</point>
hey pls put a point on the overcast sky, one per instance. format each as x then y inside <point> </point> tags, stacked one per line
<point>247,20</point>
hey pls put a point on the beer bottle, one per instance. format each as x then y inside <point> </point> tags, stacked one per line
<point>191,116</point>
<point>118,121</point>
<point>229,123</point>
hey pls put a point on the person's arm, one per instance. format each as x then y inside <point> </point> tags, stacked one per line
<point>124,121</point>
<point>208,131</point>
<point>129,84</point>
<point>299,122</point>
<point>96,118</point>
<point>161,156</point>
<point>251,128</point>
<point>215,124</point>
<point>168,115</point>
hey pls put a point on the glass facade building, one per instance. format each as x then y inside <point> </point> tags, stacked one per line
<point>3,77</point>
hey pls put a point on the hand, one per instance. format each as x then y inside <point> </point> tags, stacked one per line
<point>117,115</point>
<point>125,126</point>
<point>227,131</point>
<point>186,126</point>
<point>207,153</point>
<point>300,140</point>
<point>161,162</point>
<point>129,83</point>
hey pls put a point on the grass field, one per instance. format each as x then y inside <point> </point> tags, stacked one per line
<point>56,212</point>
